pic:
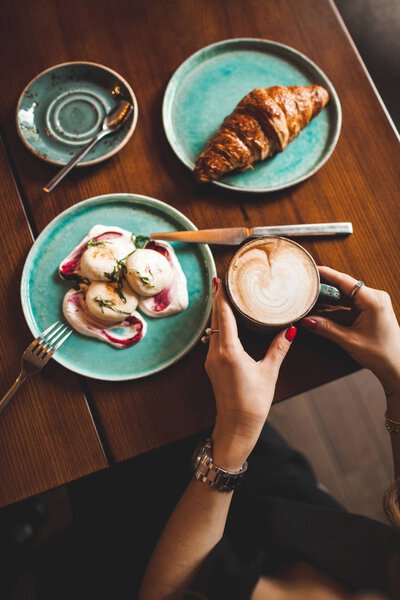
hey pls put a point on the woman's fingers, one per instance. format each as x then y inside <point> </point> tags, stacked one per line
<point>214,314</point>
<point>278,348</point>
<point>326,328</point>
<point>346,284</point>
<point>342,315</point>
<point>228,333</point>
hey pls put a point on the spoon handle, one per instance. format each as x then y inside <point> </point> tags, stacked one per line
<point>74,160</point>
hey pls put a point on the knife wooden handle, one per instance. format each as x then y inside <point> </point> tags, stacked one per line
<point>232,236</point>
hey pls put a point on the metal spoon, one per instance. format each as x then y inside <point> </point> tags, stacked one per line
<point>112,123</point>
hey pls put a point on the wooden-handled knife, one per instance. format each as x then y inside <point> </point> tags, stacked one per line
<point>233,236</point>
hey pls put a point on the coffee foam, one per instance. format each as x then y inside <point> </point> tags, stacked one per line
<point>273,281</point>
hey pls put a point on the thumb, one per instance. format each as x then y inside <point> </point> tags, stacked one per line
<point>279,347</point>
<point>326,328</point>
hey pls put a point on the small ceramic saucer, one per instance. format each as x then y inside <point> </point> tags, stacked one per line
<point>63,108</point>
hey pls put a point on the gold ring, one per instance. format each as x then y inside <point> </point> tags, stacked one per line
<point>356,289</point>
<point>207,334</point>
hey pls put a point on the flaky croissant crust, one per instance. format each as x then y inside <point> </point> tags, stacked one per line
<point>262,124</point>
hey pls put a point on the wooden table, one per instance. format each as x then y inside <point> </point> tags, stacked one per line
<point>62,427</point>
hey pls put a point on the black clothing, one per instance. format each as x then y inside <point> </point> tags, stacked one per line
<point>280,516</point>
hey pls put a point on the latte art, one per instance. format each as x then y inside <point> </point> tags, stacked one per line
<point>273,281</point>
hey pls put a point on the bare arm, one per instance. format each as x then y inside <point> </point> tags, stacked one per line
<point>373,339</point>
<point>244,391</point>
<point>194,528</point>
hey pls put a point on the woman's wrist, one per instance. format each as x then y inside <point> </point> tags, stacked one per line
<point>228,457</point>
<point>390,380</point>
<point>231,451</point>
<point>393,405</point>
<point>391,387</point>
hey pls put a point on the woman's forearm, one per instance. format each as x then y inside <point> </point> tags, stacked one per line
<point>244,391</point>
<point>194,528</point>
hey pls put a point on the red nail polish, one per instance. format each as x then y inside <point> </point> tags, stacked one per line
<point>309,323</point>
<point>291,333</point>
<point>214,285</point>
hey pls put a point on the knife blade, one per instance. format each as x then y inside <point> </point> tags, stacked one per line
<point>233,236</point>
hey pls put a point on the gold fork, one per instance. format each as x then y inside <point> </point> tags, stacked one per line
<point>37,355</point>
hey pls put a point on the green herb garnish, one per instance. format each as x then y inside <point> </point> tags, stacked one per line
<point>117,275</point>
<point>108,303</point>
<point>145,280</point>
<point>118,271</point>
<point>94,243</point>
<point>140,240</point>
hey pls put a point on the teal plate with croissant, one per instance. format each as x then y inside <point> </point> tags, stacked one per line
<point>167,339</point>
<point>209,84</point>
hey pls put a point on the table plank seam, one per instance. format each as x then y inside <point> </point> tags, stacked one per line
<point>34,233</point>
<point>18,184</point>
<point>83,384</point>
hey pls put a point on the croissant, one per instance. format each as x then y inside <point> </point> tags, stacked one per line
<point>262,124</point>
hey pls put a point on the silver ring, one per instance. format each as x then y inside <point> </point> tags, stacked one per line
<point>356,289</point>
<point>207,334</point>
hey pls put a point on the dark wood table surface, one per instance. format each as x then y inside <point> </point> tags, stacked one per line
<point>61,426</point>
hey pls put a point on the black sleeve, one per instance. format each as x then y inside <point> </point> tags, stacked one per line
<point>225,575</point>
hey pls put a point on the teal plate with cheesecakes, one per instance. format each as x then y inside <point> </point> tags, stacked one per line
<point>63,108</point>
<point>209,84</point>
<point>167,339</point>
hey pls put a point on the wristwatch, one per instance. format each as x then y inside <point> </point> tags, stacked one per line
<point>206,471</point>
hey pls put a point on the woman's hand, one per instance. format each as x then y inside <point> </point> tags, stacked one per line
<point>243,388</point>
<point>373,338</point>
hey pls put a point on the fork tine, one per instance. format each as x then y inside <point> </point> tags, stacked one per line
<point>66,336</point>
<point>46,331</point>
<point>50,343</point>
<point>40,337</point>
<point>55,334</point>
<point>44,342</point>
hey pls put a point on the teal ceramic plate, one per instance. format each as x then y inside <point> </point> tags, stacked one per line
<point>210,83</point>
<point>62,108</point>
<point>166,340</point>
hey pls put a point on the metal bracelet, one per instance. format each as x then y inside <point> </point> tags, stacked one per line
<point>391,421</point>
<point>392,425</point>
<point>391,429</point>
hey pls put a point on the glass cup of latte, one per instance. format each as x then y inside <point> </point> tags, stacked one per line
<point>273,282</point>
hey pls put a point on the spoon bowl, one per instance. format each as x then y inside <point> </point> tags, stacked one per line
<point>115,119</point>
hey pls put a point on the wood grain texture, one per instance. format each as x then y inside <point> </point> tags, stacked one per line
<point>47,436</point>
<point>146,42</point>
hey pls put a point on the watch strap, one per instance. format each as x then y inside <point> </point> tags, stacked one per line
<point>206,471</point>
